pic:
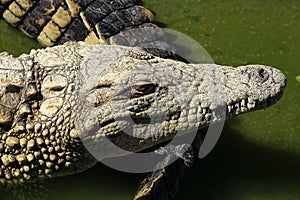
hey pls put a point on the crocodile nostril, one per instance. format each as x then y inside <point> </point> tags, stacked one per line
<point>263,75</point>
<point>261,72</point>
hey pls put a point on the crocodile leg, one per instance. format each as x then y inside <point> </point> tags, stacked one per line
<point>162,184</point>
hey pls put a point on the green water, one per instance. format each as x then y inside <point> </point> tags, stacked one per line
<point>258,156</point>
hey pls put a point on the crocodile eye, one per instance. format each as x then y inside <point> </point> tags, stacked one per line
<point>143,89</point>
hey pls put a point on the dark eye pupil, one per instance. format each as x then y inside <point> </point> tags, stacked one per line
<point>143,89</point>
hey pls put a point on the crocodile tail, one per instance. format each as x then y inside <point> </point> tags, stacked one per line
<point>54,22</point>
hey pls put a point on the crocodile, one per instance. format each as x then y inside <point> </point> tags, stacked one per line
<point>41,103</point>
<point>95,22</point>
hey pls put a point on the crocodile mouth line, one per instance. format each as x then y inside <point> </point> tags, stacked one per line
<point>201,112</point>
<point>249,104</point>
<point>145,119</point>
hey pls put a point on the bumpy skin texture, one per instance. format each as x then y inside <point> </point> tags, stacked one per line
<point>93,21</point>
<point>114,22</point>
<point>32,151</point>
<point>53,99</point>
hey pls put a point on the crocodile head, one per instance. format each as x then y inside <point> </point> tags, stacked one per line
<point>54,100</point>
<point>139,100</point>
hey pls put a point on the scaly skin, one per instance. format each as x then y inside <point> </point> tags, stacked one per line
<point>53,99</point>
<point>54,22</point>
<point>115,22</point>
<point>94,21</point>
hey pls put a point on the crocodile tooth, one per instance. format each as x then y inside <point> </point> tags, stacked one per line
<point>250,100</point>
<point>237,105</point>
<point>243,103</point>
<point>229,109</point>
<point>250,105</point>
